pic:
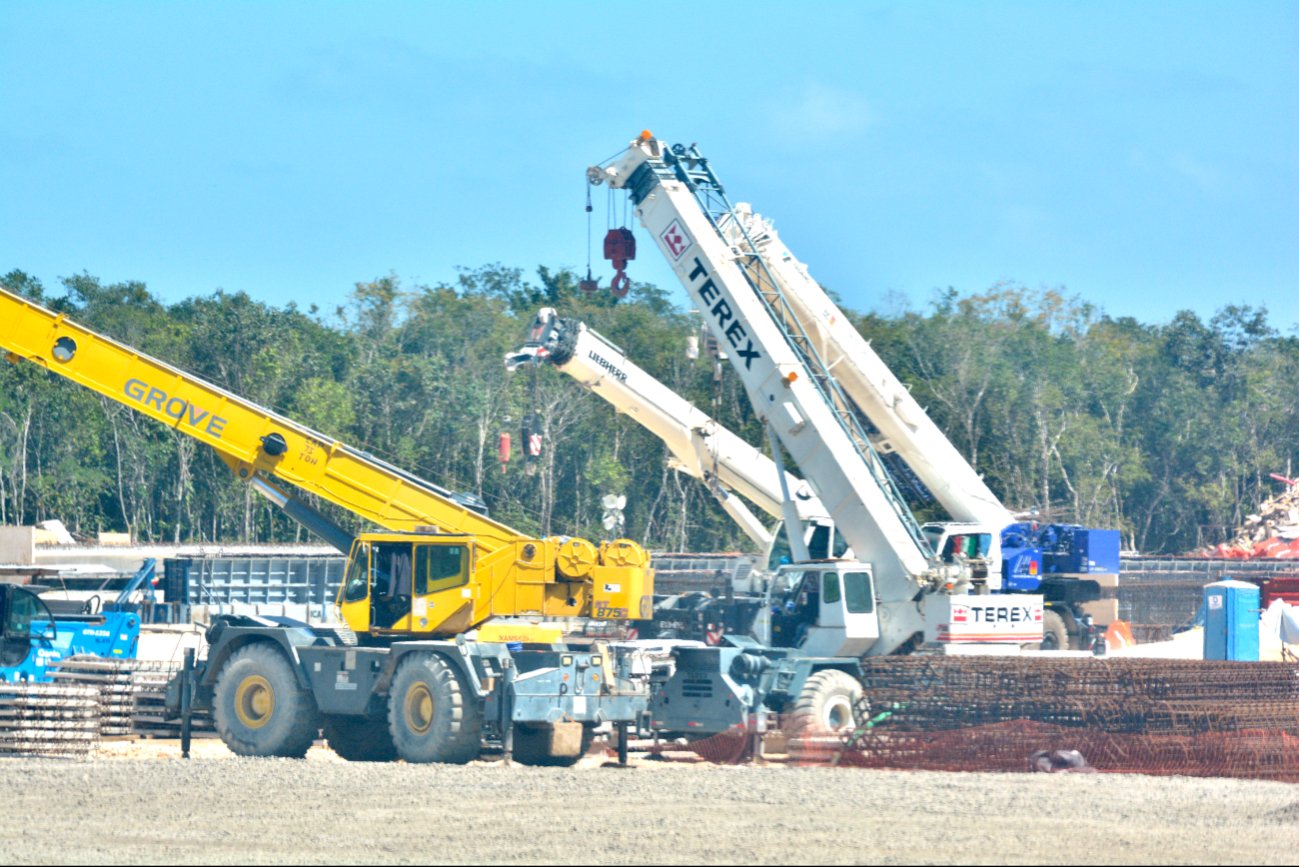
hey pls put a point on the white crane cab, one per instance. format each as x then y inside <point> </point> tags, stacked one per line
<point>821,609</point>
<point>830,609</point>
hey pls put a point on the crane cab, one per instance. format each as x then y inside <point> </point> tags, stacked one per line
<point>973,546</point>
<point>821,609</point>
<point>402,584</point>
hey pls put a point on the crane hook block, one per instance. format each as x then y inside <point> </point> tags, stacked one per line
<point>576,557</point>
<point>619,247</point>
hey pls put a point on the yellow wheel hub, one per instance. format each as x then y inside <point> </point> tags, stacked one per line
<point>254,701</point>
<point>419,708</point>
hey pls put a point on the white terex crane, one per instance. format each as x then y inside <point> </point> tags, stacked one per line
<point>1074,567</point>
<point>902,592</point>
<point>700,446</point>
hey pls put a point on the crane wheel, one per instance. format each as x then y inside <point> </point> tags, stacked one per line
<point>827,705</point>
<point>1055,635</point>
<point>533,746</point>
<point>431,716</point>
<point>360,738</point>
<point>259,707</point>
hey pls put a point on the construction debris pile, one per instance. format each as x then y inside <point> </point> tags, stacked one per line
<point>1271,533</point>
<point>1196,718</point>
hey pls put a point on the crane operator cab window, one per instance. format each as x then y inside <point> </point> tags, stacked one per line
<point>23,616</point>
<point>440,567</point>
<point>795,607</point>
<point>380,572</point>
<point>825,542</point>
<point>391,582</point>
<point>356,586</point>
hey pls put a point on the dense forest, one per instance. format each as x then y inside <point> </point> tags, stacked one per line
<point>1169,431</point>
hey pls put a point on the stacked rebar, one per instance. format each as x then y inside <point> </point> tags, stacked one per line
<point>149,716</point>
<point>90,698</point>
<point>48,719</point>
<point>112,678</point>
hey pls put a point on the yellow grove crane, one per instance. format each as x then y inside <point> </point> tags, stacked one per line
<point>439,569</point>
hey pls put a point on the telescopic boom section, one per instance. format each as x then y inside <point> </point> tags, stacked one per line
<point>250,438</point>
<point>904,427</point>
<point>700,446</point>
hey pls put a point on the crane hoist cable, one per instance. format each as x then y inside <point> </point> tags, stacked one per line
<point>590,284</point>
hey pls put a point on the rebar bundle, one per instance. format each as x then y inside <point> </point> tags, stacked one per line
<point>1036,679</point>
<point>1008,746</point>
<point>148,712</point>
<point>1193,717</point>
<point>90,698</point>
<point>48,719</point>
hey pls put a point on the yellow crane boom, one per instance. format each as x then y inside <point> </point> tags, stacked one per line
<point>248,437</point>
<point>503,572</point>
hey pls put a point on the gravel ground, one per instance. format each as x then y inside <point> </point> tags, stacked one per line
<point>143,805</point>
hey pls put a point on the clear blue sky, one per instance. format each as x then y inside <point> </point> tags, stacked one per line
<point>1144,155</point>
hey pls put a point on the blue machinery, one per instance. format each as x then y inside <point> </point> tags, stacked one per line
<point>35,635</point>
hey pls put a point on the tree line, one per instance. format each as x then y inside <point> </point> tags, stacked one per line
<point>1169,431</point>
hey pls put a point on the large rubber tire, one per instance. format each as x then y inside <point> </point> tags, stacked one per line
<point>259,707</point>
<point>431,715</point>
<point>360,738</point>
<point>531,743</point>
<point>1055,635</point>
<point>826,705</point>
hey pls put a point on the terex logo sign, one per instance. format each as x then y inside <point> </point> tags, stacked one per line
<point>1000,614</point>
<point>711,299</point>
<point>176,407</point>
<point>676,240</point>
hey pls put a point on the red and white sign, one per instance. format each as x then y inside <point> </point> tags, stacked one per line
<point>676,240</point>
<point>992,618</point>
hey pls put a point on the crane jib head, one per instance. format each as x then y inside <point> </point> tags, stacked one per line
<point>721,311</point>
<point>175,407</point>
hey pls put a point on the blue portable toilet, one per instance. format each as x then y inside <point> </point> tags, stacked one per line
<point>1231,612</point>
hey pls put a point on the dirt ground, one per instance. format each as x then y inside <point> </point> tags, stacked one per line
<point>141,804</point>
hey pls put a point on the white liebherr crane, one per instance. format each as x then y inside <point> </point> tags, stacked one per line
<point>700,446</point>
<point>680,203</point>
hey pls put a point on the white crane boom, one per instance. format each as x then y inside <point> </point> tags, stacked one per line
<point>904,427</point>
<point>700,446</point>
